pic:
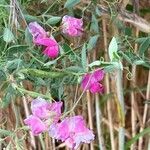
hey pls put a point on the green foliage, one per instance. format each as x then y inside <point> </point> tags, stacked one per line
<point>92,42</point>
<point>71,3</point>
<point>136,137</point>
<point>53,20</point>
<point>112,49</point>
<point>8,35</point>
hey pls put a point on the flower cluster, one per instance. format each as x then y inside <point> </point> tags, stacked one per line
<point>70,26</point>
<point>43,114</point>
<point>45,117</point>
<point>91,81</point>
<point>40,37</point>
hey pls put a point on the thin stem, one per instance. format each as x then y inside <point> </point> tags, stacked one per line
<point>109,103</point>
<point>99,122</point>
<point>133,98</point>
<point>89,115</point>
<point>145,113</point>
<point>27,114</point>
<point>121,109</point>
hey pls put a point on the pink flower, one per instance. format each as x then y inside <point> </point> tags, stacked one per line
<point>37,31</point>
<point>72,26</point>
<point>52,48</point>
<point>36,125</point>
<point>44,114</point>
<point>40,37</point>
<point>73,131</point>
<point>91,81</point>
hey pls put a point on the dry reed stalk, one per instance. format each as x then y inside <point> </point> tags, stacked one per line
<point>108,88</point>
<point>98,117</point>
<point>98,123</point>
<point>89,115</point>
<point>27,114</point>
<point>133,98</point>
<point>127,134</point>
<point>145,113</point>
<point>121,111</point>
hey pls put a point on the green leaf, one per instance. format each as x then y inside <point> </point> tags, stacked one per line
<point>136,137</point>
<point>83,57</point>
<point>8,35</point>
<point>5,132</point>
<point>144,46</point>
<point>71,3</point>
<point>28,37</point>
<point>30,18</point>
<point>112,49</point>
<point>50,63</point>
<point>53,20</point>
<point>92,42</point>
<point>94,24</point>
<point>17,49</point>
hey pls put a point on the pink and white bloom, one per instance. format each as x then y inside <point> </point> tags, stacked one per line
<point>91,81</point>
<point>37,31</point>
<point>43,115</point>
<point>40,37</point>
<point>36,125</point>
<point>72,131</point>
<point>72,26</point>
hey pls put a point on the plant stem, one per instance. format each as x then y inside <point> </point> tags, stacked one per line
<point>109,103</point>
<point>89,115</point>
<point>27,114</point>
<point>122,109</point>
<point>145,112</point>
<point>133,98</point>
<point>99,122</point>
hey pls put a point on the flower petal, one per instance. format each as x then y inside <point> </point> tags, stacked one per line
<point>98,74</point>
<point>35,124</point>
<point>46,41</point>
<point>36,30</point>
<point>51,51</point>
<point>96,88</point>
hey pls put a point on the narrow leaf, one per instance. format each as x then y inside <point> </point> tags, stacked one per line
<point>71,3</point>
<point>136,137</point>
<point>53,20</point>
<point>83,57</point>
<point>8,35</point>
<point>113,48</point>
<point>92,42</point>
<point>144,46</point>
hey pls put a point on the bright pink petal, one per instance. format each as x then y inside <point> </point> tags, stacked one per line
<point>85,84</point>
<point>51,51</point>
<point>98,74</point>
<point>35,124</point>
<point>96,88</point>
<point>46,42</point>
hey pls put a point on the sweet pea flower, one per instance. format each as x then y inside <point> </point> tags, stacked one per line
<point>37,31</point>
<point>72,26</point>
<point>43,115</point>
<point>40,37</point>
<point>72,131</point>
<point>36,125</point>
<point>91,81</point>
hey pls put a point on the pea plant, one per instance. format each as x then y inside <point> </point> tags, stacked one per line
<point>74,74</point>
